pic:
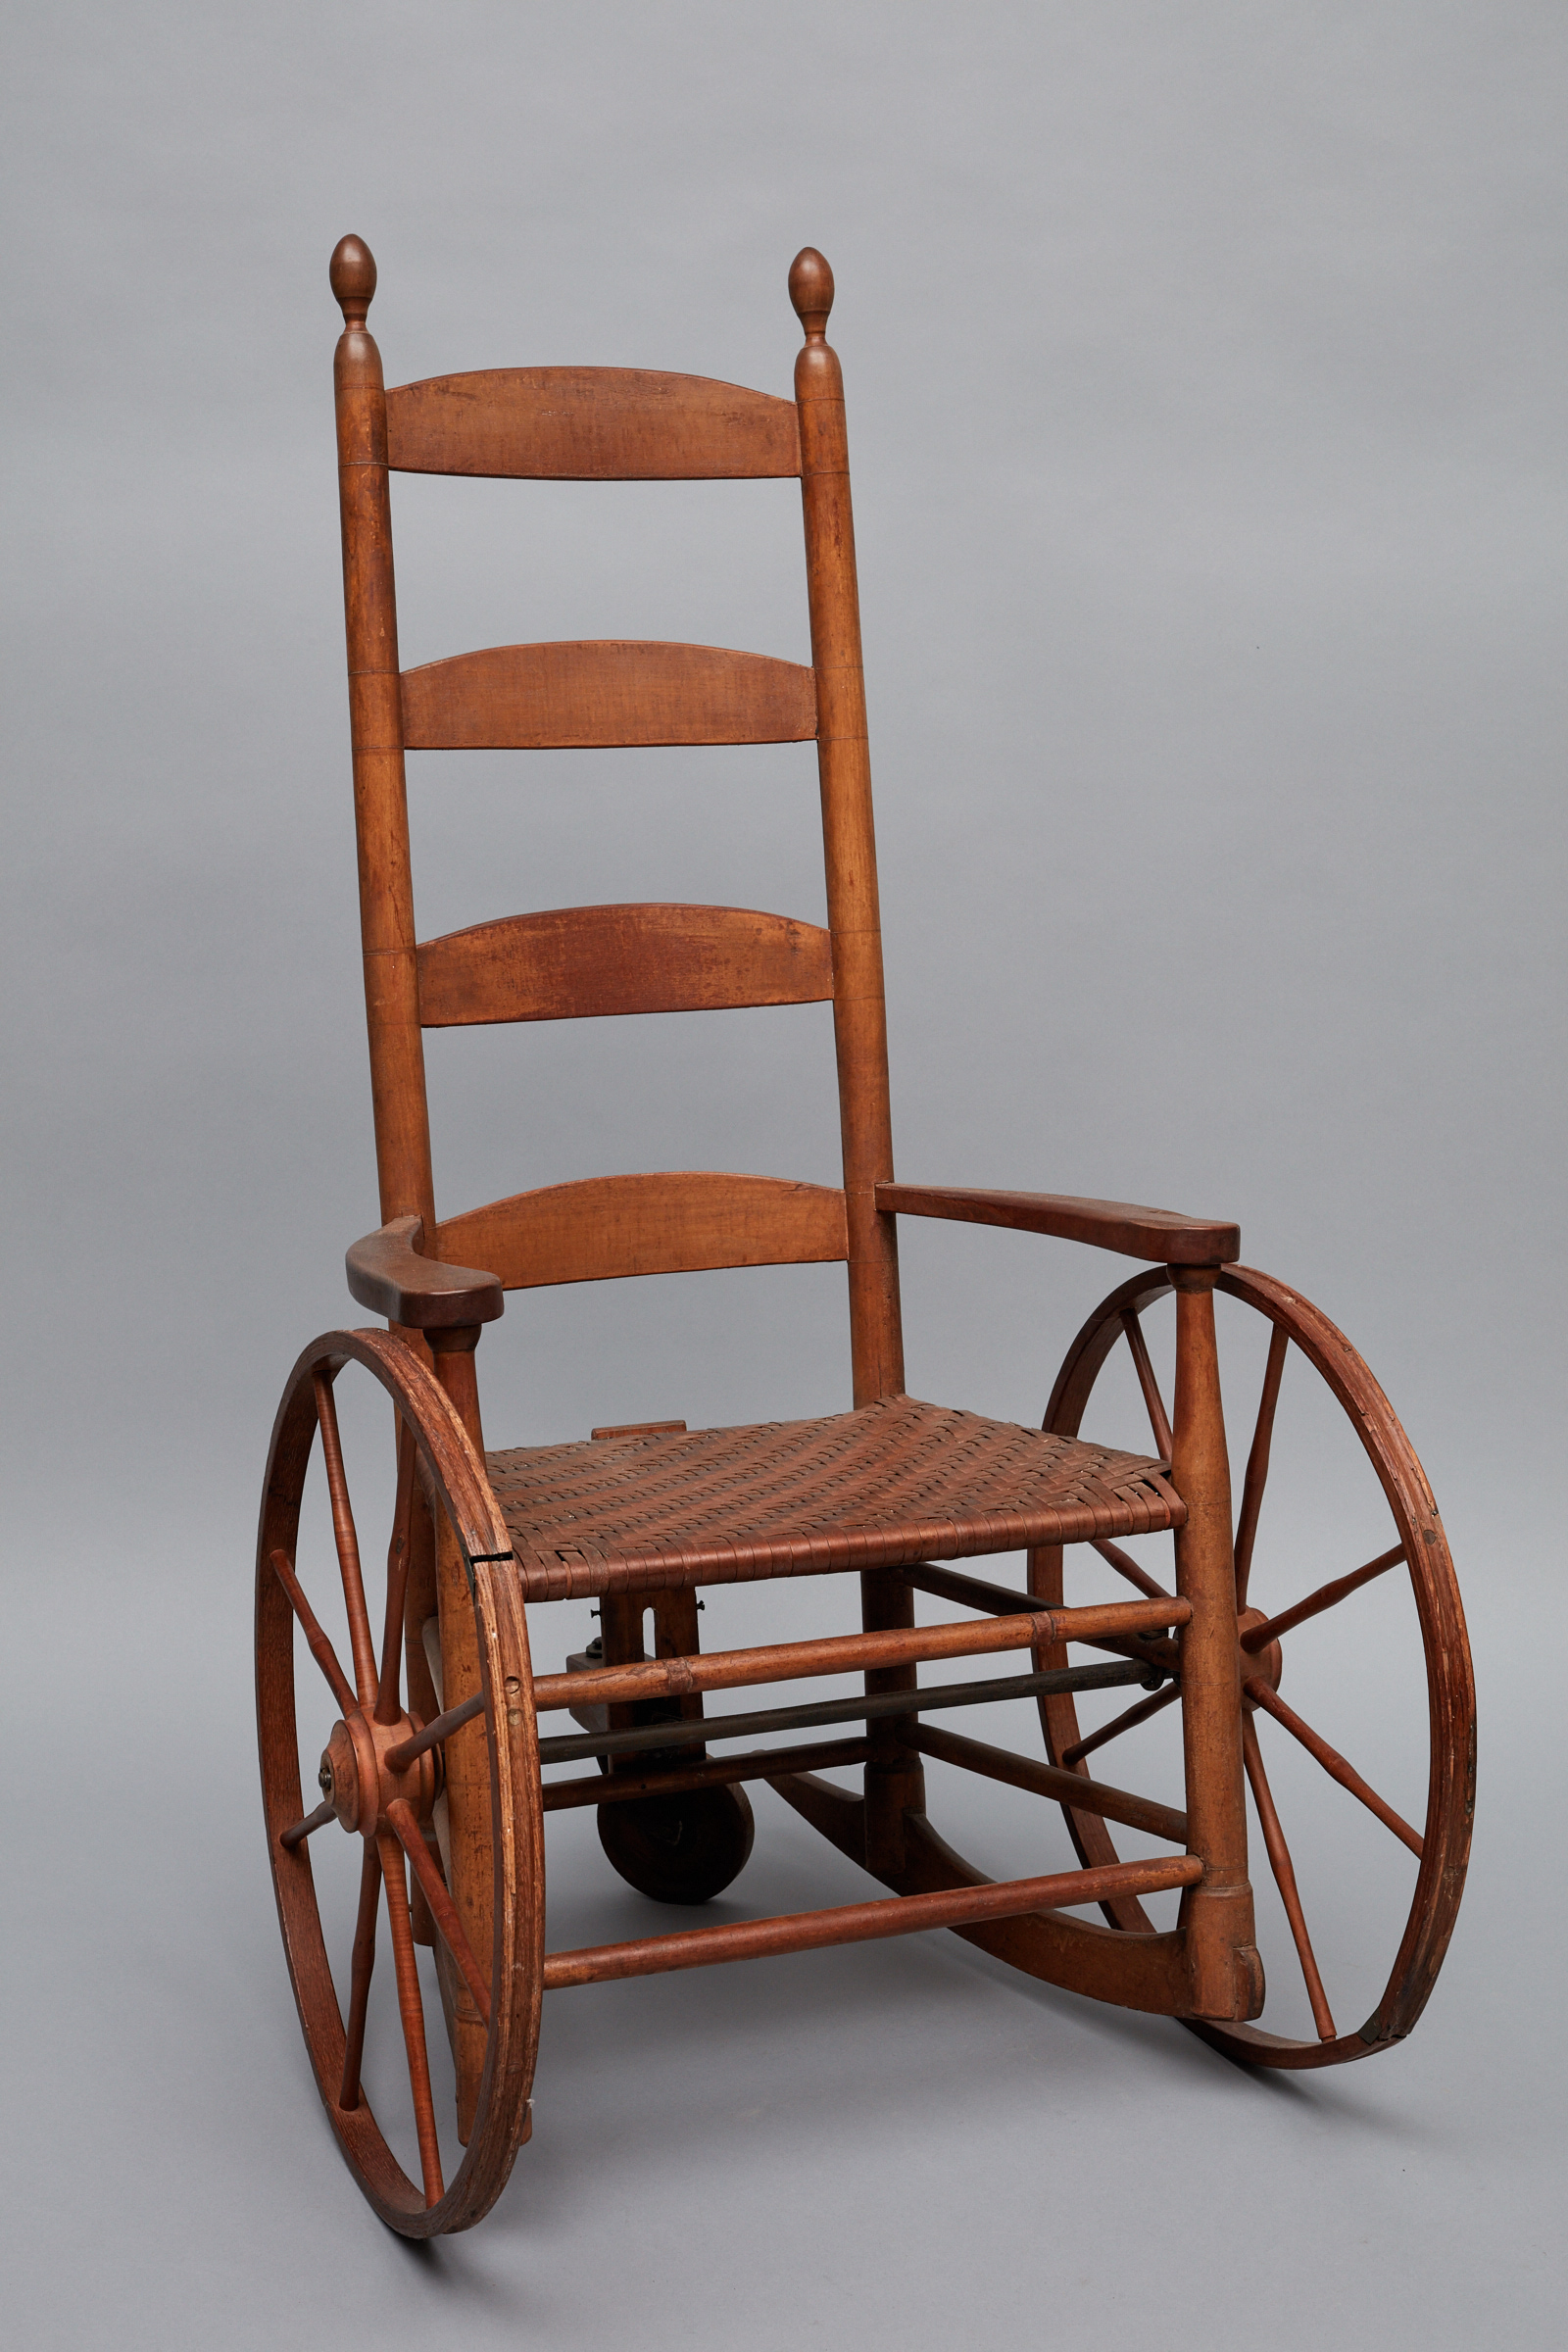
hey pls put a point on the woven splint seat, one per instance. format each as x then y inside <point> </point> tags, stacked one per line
<point>885,1486</point>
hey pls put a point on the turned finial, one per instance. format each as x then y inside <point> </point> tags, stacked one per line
<point>811,291</point>
<point>353,275</point>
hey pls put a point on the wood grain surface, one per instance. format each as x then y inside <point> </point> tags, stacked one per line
<point>607,692</point>
<point>1165,1234</point>
<point>594,424</point>
<point>677,1223</point>
<point>576,961</point>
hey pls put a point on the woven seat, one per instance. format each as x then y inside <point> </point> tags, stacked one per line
<point>882,1486</point>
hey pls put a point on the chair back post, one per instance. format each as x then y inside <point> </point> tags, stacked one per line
<point>848,840</point>
<point>1225,1973</point>
<point>381,795</point>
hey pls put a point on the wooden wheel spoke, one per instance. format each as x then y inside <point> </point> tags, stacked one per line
<point>1279,1855</point>
<point>443,1910</point>
<point>1138,1346</point>
<point>1256,1477</point>
<point>320,1649</point>
<point>1333,1763</point>
<point>359,1983</point>
<point>1327,1597</point>
<point>1125,1722</point>
<point>388,1705</point>
<point>1125,1565</point>
<point>411,2010</point>
<point>298,1830</point>
<point>348,1543</point>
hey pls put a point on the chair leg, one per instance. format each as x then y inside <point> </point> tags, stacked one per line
<point>419,1604</point>
<point>467,1771</point>
<point>1225,1971</point>
<point>895,1777</point>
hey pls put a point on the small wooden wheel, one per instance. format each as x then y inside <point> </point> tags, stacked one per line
<point>1415,1543</point>
<point>679,1849</point>
<point>684,1848</point>
<point>373,1788</point>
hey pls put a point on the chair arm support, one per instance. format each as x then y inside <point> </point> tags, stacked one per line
<point>387,1274</point>
<point>1162,1235</point>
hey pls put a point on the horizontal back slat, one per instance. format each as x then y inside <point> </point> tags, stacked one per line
<point>576,961</point>
<point>682,1224</point>
<point>590,424</point>
<point>606,691</point>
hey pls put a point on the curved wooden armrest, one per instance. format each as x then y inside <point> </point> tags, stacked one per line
<point>1160,1234</point>
<point>387,1274</point>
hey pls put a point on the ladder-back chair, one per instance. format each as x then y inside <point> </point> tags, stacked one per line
<point>448,1782</point>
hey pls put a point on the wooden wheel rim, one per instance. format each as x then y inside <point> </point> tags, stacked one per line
<point>458,1480</point>
<point>1450,1687</point>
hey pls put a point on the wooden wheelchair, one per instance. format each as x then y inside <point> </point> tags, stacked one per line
<point>436,1762</point>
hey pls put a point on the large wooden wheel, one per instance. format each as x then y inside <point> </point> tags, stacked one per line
<point>382,1782</point>
<point>1414,1547</point>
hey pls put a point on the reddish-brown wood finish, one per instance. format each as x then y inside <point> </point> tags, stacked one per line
<point>620,1788</point>
<point>1217,1914</point>
<point>1144,1971</point>
<point>848,839</point>
<point>1444,1844</point>
<point>1157,1233</point>
<point>590,424</point>
<point>1257,1461</point>
<point>579,962</point>
<point>1285,1878</point>
<point>375,715</point>
<point>1333,1763</point>
<point>389,1274</point>
<point>846,1653</point>
<point>450,1473</point>
<point>449,1782</point>
<point>1154,1401</point>
<point>859,1923</point>
<point>574,697</point>
<point>1108,1674</point>
<point>1049,1781</point>
<point>443,1910</point>
<point>1327,1597</point>
<point>608,1226</point>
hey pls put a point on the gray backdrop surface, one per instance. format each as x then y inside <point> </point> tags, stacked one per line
<point>1205,374</point>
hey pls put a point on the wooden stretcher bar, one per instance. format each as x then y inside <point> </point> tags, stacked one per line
<point>862,1923</point>
<point>873,1709</point>
<point>849,1653</point>
<point>609,1789</point>
<point>1049,1781</point>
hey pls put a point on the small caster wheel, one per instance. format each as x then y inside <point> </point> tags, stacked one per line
<point>682,1848</point>
<point>679,1849</point>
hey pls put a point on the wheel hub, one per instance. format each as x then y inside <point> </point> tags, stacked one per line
<point>357,1781</point>
<point>1266,1664</point>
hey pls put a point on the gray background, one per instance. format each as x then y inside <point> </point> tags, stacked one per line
<point>1204,364</point>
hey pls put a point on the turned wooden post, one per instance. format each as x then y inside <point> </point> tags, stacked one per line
<point>848,840</point>
<point>468,1765</point>
<point>894,1776</point>
<point>1224,1970</point>
<point>375,717</point>
<point>397,1064</point>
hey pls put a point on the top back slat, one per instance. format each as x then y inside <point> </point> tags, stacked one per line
<point>590,424</point>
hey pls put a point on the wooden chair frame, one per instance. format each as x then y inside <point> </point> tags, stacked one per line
<point>452,1785</point>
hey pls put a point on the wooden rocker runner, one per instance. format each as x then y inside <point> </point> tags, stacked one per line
<point>435,1755</point>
